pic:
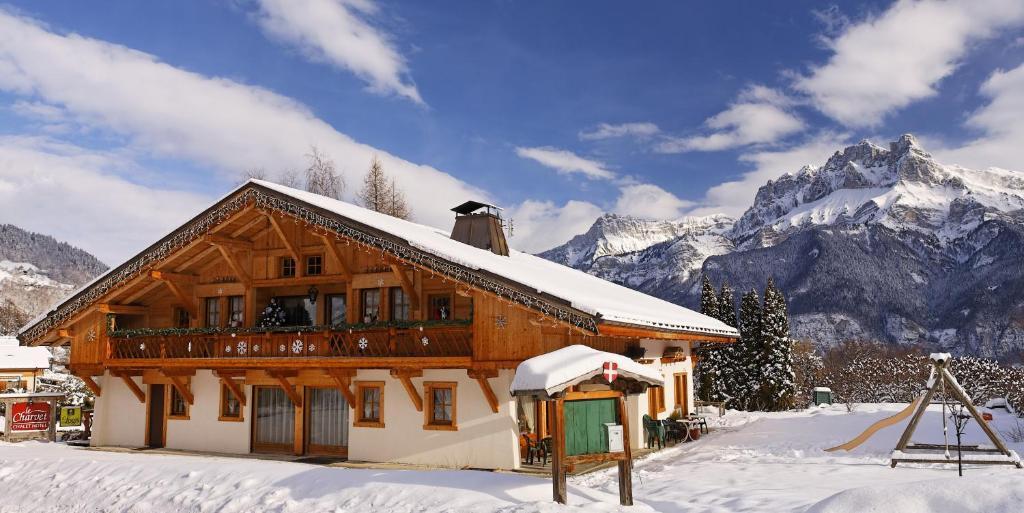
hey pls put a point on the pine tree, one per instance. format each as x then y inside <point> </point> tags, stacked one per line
<point>748,351</point>
<point>778,380</point>
<point>375,194</point>
<point>708,370</point>
<point>729,381</point>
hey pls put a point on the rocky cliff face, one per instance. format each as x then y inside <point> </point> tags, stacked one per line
<point>884,244</point>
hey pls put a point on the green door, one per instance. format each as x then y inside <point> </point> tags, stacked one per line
<point>584,425</point>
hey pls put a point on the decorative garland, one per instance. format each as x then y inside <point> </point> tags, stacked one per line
<point>204,224</point>
<point>151,332</point>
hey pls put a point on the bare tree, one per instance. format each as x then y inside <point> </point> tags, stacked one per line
<point>321,177</point>
<point>375,194</point>
<point>254,173</point>
<point>290,178</point>
<point>398,206</point>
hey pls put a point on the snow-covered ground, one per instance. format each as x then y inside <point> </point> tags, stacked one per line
<point>754,462</point>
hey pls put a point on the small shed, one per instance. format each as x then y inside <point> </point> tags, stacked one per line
<point>591,424</point>
<point>20,366</point>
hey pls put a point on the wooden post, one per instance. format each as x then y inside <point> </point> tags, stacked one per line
<point>558,457</point>
<point>625,464</point>
<point>51,432</point>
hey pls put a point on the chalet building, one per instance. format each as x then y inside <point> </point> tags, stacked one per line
<point>283,321</point>
<point>21,367</point>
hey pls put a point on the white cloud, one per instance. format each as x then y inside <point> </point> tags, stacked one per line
<point>649,201</point>
<point>339,33</point>
<point>760,115</point>
<point>566,162</point>
<point>542,225</point>
<point>734,197</point>
<point>890,60</point>
<point>77,196</point>
<point>608,131</point>
<point>1001,121</point>
<point>216,122</point>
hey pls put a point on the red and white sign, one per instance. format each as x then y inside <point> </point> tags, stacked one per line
<point>30,416</point>
<point>610,370</point>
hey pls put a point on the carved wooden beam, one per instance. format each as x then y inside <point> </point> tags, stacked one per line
<point>93,386</point>
<point>65,333</point>
<point>108,308</point>
<point>248,226</point>
<point>287,386</point>
<point>407,286</point>
<point>167,276</point>
<point>235,264</point>
<point>138,294</point>
<point>289,244</point>
<point>133,386</point>
<point>481,375</point>
<point>335,252</point>
<point>182,297</point>
<point>182,387</point>
<point>234,387</point>
<point>220,240</point>
<point>195,259</point>
<point>405,376</point>
<point>343,379</point>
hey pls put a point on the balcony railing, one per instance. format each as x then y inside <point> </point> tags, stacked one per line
<point>417,341</point>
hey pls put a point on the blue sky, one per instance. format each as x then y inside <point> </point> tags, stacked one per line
<point>117,123</point>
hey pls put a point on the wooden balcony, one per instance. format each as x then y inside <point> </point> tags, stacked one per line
<point>447,343</point>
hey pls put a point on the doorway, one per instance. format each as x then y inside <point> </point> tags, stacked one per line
<point>327,415</point>
<point>156,417</point>
<point>273,420</point>
<point>682,398</point>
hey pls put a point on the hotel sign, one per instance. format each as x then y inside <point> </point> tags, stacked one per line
<point>30,416</point>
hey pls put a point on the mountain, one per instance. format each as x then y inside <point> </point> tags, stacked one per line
<point>36,271</point>
<point>876,243</point>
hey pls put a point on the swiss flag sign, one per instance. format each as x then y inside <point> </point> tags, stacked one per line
<point>610,370</point>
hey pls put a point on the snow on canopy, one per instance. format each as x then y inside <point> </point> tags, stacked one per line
<point>555,371</point>
<point>23,358</point>
<point>584,292</point>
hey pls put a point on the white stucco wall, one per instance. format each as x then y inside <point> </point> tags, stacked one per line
<point>119,419</point>
<point>202,431</point>
<point>484,439</point>
<point>654,350</point>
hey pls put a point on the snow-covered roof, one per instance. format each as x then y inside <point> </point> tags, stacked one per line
<point>555,371</point>
<point>587,293</point>
<point>604,300</point>
<point>24,358</point>
<point>8,341</point>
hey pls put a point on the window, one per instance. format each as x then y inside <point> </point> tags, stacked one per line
<point>369,404</point>
<point>440,410</point>
<point>399,304</point>
<point>371,305</point>
<point>181,318</point>
<point>298,310</point>
<point>440,307</point>
<point>681,403</point>
<point>287,267</point>
<point>177,407</point>
<point>236,311</point>
<point>314,265</point>
<point>213,312</point>
<point>230,406</point>
<point>337,308</point>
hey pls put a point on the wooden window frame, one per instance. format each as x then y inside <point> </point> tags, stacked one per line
<point>227,302</point>
<point>362,305</point>
<point>327,308</point>
<point>680,396</point>
<point>177,313</point>
<point>428,406</point>
<point>451,305</point>
<point>656,401</point>
<point>224,390</point>
<point>207,301</point>
<point>169,391</point>
<point>392,292</point>
<point>281,267</point>
<point>307,261</point>
<point>359,421</point>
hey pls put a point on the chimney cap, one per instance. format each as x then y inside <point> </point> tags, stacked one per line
<point>472,206</point>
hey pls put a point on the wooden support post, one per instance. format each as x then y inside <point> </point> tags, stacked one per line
<point>335,252</point>
<point>407,285</point>
<point>93,386</point>
<point>179,293</point>
<point>182,388</point>
<point>559,491</point>
<point>289,389</point>
<point>951,384</point>
<point>235,264</point>
<point>134,387</point>
<point>485,386</point>
<point>343,379</point>
<point>235,388</point>
<point>625,464</point>
<point>405,376</point>
<point>289,244</point>
<point>299,444</point>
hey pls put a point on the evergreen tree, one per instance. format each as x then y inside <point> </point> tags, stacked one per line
<point>778,379</point>
<point>748,351</point>
<point>729,381</point>
<point>708,370</point>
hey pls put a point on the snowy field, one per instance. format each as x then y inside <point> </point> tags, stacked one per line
<point>753,463</point>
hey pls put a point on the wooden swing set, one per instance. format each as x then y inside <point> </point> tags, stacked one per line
<point>907,452</point>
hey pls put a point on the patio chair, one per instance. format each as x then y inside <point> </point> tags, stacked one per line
<point>655,432</point>
<point>534,449</point>
<point>675,431</point>
<point>700,420</point>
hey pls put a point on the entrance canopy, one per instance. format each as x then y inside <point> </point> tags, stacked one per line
<point>548,375</point>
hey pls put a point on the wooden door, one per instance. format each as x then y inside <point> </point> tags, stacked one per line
<point>682,399</point>
<point>327,421</point>
<point>156,417</point>
<point>273,420</point>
